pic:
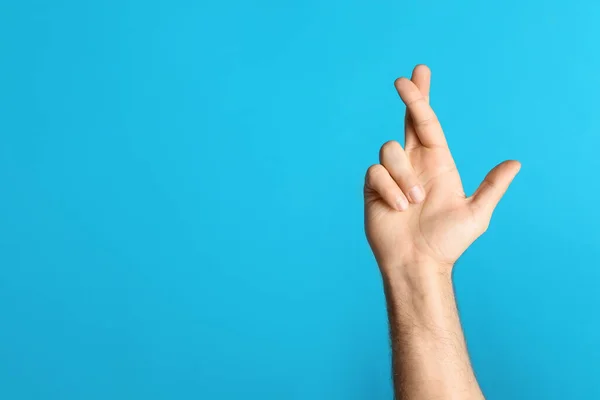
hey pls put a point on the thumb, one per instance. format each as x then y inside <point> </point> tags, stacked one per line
<point>486,197</point>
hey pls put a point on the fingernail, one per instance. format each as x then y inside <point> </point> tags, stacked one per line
<point>401,203</point>
<point>416,194</point>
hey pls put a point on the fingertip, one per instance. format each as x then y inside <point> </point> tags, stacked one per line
<point>416,194</point>
<point>399,81</point>
<point>514,165</point>
<point>401,203</point>
<point>405,87</point>
<point>422,68</point>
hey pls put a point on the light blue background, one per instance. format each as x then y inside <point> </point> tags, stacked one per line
<point>181,208</point>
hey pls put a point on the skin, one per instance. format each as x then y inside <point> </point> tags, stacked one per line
<point>418,222</point>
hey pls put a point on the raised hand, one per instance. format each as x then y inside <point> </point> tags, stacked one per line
<point>416,210</point>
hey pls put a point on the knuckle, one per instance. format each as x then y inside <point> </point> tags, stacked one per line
<point>427,121</point>
<point>390,147</point>
<point>374,169</point>
<point>373,172</point>
<point>416,100</point>
<point>489,183</point>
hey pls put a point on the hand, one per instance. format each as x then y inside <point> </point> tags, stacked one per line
<point>415,207</point>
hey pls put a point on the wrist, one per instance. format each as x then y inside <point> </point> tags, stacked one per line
<point>416,273</point>
<point>421,292</point>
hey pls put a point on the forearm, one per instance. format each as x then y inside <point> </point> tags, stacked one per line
<point>429,354</point>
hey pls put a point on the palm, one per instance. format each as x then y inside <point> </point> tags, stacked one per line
<point>446,222</point>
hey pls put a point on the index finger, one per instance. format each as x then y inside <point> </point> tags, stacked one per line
<point>424,120</point>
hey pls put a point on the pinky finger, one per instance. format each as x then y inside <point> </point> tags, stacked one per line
<point>379,180</point>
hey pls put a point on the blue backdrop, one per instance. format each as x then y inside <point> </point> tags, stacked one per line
<point>181,206</point>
